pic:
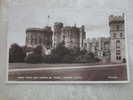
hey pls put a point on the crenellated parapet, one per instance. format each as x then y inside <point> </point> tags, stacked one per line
<point>116,19</point>
<point>70,29</point>
<point>33,30</point>
<point>45,29</point>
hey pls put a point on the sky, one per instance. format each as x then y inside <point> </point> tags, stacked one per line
<point>23,14</point>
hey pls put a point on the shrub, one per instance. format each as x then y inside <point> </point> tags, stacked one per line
<point>34,58</point>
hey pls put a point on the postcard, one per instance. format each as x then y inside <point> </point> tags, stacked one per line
<point>66,45</point>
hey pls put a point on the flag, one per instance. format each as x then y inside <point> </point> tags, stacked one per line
<point>48,16</point>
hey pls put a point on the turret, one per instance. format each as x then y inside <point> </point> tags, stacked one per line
<point>117,34</point>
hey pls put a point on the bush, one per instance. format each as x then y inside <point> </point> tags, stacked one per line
<point>34,58</point>
<point>67,59</point>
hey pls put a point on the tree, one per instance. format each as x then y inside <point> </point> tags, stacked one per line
<point>36,56</point>
<point>16,53</point>
<point>91,55</point>
<point>83,52</point>
<point>59,52</point>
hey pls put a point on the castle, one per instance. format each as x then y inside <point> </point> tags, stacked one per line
<point>72,36</point>
<point>109,49</point>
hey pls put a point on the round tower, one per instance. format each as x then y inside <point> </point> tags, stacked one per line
<point>117,42</point>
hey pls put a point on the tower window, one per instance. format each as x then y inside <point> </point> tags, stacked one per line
<point>118,57</point>
<point>121,34</point>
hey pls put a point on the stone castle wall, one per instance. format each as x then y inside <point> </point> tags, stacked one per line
<point>72,36</point>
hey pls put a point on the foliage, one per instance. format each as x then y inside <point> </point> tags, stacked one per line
<point>58,55</point>
<point>61,54</point>
<point>35,56</point>
<point>16,53</point>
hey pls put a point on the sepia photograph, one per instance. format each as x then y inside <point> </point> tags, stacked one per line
<point>66,45</point>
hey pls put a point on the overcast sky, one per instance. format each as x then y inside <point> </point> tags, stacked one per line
<point>91,13</point>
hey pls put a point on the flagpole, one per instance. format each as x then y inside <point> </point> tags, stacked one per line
<point>48,19</point>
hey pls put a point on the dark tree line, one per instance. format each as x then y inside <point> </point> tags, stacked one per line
<point>60,54</point>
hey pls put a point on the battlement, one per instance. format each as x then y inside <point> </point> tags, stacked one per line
<point>33,30</point>
<point>70,28</point>
<point>113,19</point>
<point>47,28</point>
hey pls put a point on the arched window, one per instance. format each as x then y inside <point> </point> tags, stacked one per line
<point>118,57</point>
